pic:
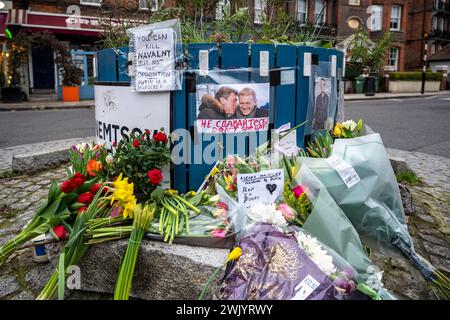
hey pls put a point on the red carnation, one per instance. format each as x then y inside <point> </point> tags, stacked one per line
<point>82,210</point>
<point>85,198</point>
<point>160,137</point>
<point>147,132</point>
<point>136,143</point>
<point>114,144</point>
<point>155,176</point>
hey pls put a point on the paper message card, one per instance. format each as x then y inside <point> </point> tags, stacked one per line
<point>264,186</point>
<point>154,60</point>
<point>284,144</point>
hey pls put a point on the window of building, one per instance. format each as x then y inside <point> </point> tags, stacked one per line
<point>302,11</point>
<point>433,49</point>
<point>376,18</point>
<point>396,15</point>
<point>435,23</point>
<point>221,5</point>
<point>91,2</point>
<point>441,24</point>
<point>353,2</point>
<point>320,11</point>
<point>144,5</point>
<point>393,58</point>
<point>259,6</point>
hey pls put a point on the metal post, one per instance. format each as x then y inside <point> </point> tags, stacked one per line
<point>424,68</point>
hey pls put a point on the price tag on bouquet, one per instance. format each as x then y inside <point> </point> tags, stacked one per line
<point>264,186</point>
<point>344,169</point>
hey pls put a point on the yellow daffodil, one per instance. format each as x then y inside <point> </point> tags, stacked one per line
<point>124,194</point>
<point>215,171</point>
<point>234,254</point>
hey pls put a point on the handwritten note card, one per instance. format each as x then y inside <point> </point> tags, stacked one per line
<point>264,186</point>
<point>154,60</point>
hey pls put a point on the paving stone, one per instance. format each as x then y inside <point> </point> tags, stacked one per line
<point>20,206</point>
<point>22,184</point>
<point>24,295</point>
<point>432,232</point>
<point>38,277</point>
<point>437,250</point>
<point>32,188</point>
<point>9,285</point>
<point>433,239</point>
<point>440,263</point>
<point>426,218</point>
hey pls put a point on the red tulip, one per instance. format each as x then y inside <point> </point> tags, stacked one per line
<point>85,198</point>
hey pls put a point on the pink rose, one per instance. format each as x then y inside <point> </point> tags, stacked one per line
<point>298,191</point>
<point>219,233</point>
<point>288,213</point>
<point>230,161</point>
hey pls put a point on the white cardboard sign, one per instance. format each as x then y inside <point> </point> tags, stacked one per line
<point>264,186</point>
<point>121,111</point>
<point>154,60</point>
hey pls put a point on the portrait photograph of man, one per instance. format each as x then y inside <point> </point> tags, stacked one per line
<point>321,103</point>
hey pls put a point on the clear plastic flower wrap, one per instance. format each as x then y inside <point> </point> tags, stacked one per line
<point>373,205</point>
<point>325,225</point>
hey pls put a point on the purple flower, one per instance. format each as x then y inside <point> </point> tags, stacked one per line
<point>345,285</point>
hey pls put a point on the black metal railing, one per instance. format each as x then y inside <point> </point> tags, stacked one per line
<point>440,34</point>
<point>441,5</point>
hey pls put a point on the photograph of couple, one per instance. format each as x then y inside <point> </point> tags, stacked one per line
<point>236,101</point>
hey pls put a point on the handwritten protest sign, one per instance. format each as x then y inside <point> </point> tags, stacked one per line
<point>263,187</point>
<point>154,60</point>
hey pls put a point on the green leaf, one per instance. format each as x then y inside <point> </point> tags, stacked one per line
<point>157,194</point>
<point>61,276</point>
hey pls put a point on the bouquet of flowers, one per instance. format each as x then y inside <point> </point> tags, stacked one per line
<point>373,204</point>
<point>304,202</point>
<point>278,266</point>
<point>141,158</point>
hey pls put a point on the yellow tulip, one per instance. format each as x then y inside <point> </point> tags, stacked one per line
<point>337,130</point>
<point>235,254</point>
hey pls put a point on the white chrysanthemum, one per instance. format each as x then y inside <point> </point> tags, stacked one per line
<point>349,124</point>
<point>267,213</point>
<point>316,253</point>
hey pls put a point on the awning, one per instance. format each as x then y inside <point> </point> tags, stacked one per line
<point>3,23</point>
<point>55,23</point>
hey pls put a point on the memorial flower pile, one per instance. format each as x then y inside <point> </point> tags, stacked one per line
<point>305,229</point>
<point>141,158</point>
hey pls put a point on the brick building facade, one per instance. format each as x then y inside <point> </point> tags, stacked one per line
<point>433,18</point>
<point>76,22</point>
